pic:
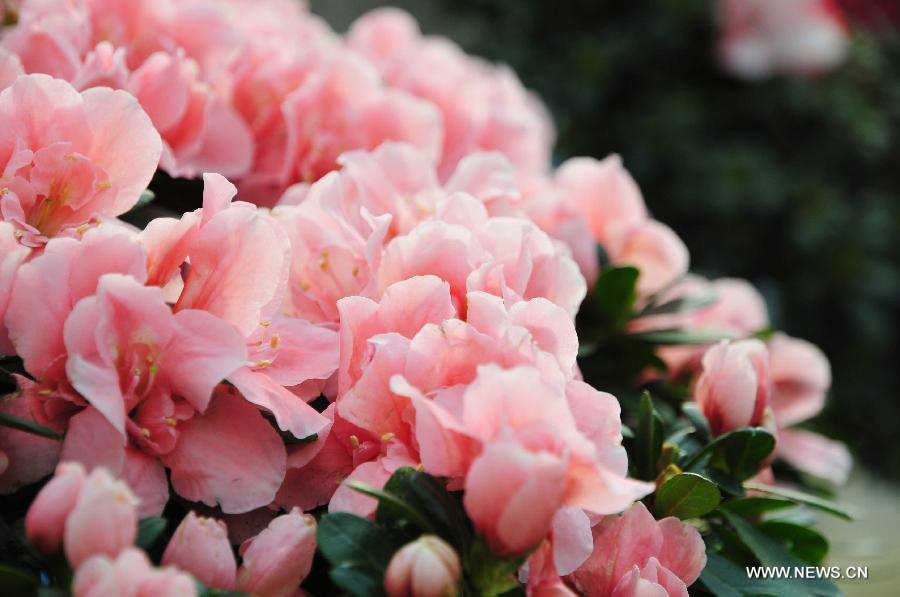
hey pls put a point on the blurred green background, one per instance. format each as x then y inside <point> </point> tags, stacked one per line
<point>793,184</point>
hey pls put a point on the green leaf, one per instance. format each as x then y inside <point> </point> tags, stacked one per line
<point>14,582</point>
<point>490,575</point>
<point>146,197</point>
<point>28,426</point>
<point>803,498</point>
<point>344,538</point>
<point>724,578</point>
<point>804,542</point>
<point>687,495</point>
<point>429,498</point>
<point>358,580</point>
<point>648,439</point>
<point>770,552</point>
<point>739,452</point>
<point>391,506</point>
<point>675,336</point>
<point>615,293</point>
<point>697,418</point>
<point>751,507</point>
<point>204,591</point>
<point>680,305</point>
<point>149,531</point>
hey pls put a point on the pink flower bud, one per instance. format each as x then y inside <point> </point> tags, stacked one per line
<point>103,521</point>
<point>46,518</point>
<point>734,388</point>
<point>129,574</point>
<point>427,567</point>
<point>278,559</point>
<point>200,546</point>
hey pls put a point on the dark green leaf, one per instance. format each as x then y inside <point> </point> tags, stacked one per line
<point>804,542</point>
<point>441,511</point>
<point>344,538</point>
<point>739,453</point>
<point>14,582</point>
<point>687,495</point>
<point>615,294</point>
<point>770,552</point>
<point>724,578</point>
<point>28,426</point>
<point>677,336</point>
<point>149,531</point>
<point>697,418</point>
<point>680,305</point>
<point>803,498</point>
<point>490,575</point>
<point>358,580</point>
<point>751,507</point>
<point>648,439</point>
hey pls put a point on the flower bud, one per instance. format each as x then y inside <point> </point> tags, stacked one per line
<point>278,559</point>
<point>45,522</point>
<point>734,387</point>
<point>103,521</point>
<point>130,573</point>
<point>427,567</point>
<point>200,546</point>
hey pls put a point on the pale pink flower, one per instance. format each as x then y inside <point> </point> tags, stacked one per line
<point>427,567</point>
<point>12,256</point>
<point>200,546</point>
<point>29,458</point>
<point>761,38</point>
<point>130,573</point>
<point>343,105</point>
<point>801,378</point>
<point>610,201</point>
<point>103,521</point>
<point>637,555</point>
<point>278,559</point>
<point>10,68</point>
<point>483,107</point>
<point>734,387</point>
<point>70,158</point>
<point>45,522</point>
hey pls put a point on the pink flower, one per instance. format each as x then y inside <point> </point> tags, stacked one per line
<point>610,201</point>
<point>12,256</point>
<point>68,158</point>
<point>761,38</point>
<point>10,67</point>
<point>605,194</point>
<point>342,105</point>
<point>200,546</point>
<point>86,514</point>
<point>229,457</point>
<point>29,458</point>
<point>45,522</point>
<point>734,387</point>
<point>200,130</point>
<point>801,377</point>
<point>278,559</point>
<point>637,555</point>
<point>103,521</point>
<point>130,574</point>
<point>427,567</point>
<point>483,107</point>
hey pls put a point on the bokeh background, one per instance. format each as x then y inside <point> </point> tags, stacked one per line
<point>790,182</point>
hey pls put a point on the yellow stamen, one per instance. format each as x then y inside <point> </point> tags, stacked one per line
<point>354,442</point>
<point>388,436</point>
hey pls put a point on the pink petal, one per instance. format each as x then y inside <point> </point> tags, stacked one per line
<point>229,456</point>
<point>291,412</point>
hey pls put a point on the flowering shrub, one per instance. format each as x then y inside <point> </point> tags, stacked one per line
<point>387,367</point>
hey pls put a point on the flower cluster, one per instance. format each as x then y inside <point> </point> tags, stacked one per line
<point>407,301</point>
